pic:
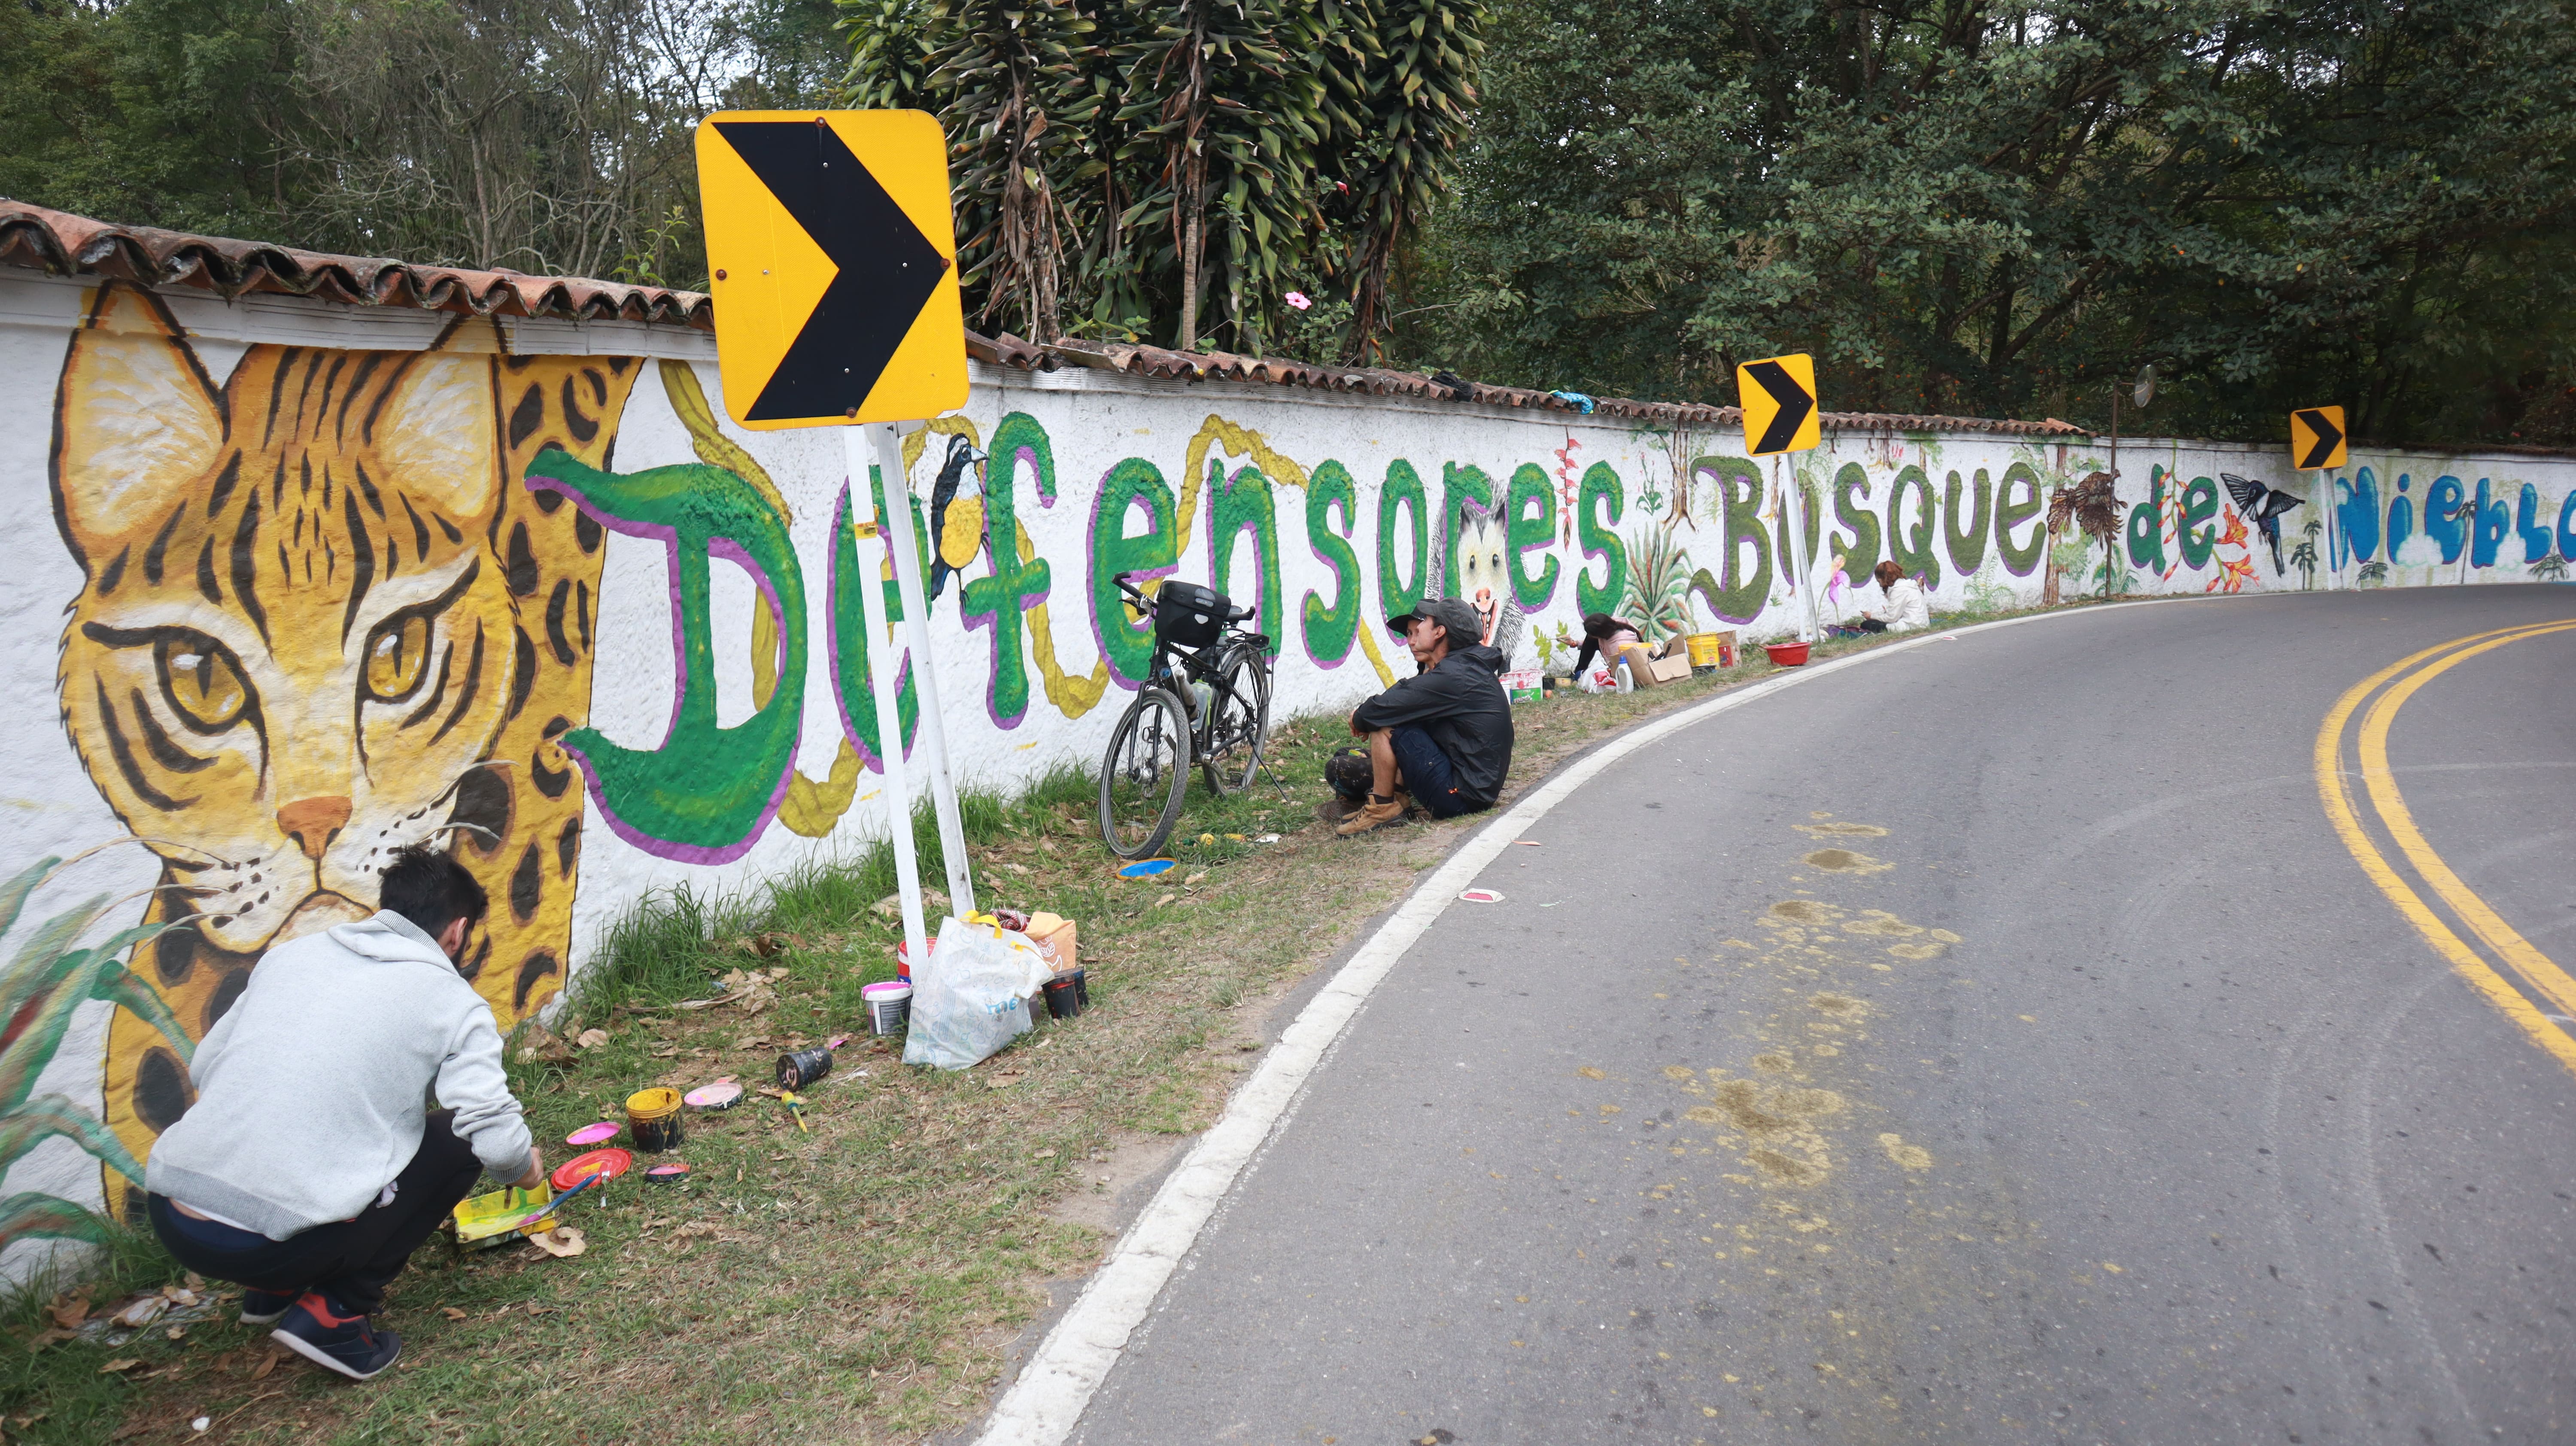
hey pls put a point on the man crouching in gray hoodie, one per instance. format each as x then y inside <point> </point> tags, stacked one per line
<point>310,1165</point>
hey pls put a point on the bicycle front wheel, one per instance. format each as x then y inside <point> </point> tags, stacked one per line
<point>1238,725</point>
<point>1144,775</point>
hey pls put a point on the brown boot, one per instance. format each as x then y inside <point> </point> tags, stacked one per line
<point>1381,812</point>
<point>1335,808</point>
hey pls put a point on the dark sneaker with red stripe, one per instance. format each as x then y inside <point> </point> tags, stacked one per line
<point>263,1307</point>
<point>317,1329</point>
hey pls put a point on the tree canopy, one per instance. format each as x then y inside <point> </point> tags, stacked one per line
<point>1965,207</point>
<point>2005,209</point>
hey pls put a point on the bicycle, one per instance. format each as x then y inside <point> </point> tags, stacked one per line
<point>1204,702</point>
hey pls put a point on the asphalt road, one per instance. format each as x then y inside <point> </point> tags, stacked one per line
<point>1988,1043</point>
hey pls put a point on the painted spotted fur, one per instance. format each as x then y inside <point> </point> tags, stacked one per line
<point>321,621</point>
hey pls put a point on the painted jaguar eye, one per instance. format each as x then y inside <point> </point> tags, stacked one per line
<point>397,655</point>
<point>202,683</point>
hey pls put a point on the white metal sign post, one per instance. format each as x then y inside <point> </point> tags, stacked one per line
<point>897,525</point>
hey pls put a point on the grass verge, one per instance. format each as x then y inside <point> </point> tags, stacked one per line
<point>858,1282</point>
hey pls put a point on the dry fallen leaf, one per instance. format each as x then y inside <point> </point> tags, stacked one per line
<point>44,1338</point>
<point>1167,898</point>
<point>560,1242</point>
<point>122,1363</point>
<point>267,1363</point>
<point>135,1315</point>
<point>1194,878</point>
<point>451,1312</point>
<point>590,1039</point>
<point>537,1043</point>
<point>69,1311</point>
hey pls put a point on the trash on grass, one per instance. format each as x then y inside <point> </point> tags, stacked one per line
<point>1482,896</point>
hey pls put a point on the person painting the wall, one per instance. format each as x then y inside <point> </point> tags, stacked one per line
<point>1893,603</point>
<point>1443,736</point>
<point>1606,635</point>
<point>310,1166</point>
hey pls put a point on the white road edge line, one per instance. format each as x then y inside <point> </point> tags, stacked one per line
<point>1047,1401</point>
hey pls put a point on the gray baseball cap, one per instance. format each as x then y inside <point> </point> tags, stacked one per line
<point>1454,616</point>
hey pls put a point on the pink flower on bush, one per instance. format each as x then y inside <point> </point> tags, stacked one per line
<point>1300,300</point>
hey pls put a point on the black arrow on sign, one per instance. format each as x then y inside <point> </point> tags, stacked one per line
<point>2329,437</point>
<point>888,269</point>
<point>1794,402</point>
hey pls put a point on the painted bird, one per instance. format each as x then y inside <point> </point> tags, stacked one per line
<point>2263,507</point>
<point>956,523</point>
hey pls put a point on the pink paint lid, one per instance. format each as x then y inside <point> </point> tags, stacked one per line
<point>589,1135</point>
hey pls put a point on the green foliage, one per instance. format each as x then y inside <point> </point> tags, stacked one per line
<point>42,988</point>
<point>1172,172</point>
<point>2004,208</point>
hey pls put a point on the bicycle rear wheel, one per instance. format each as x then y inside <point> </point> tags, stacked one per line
<point>1144,774</point>
<point>1239,727</point>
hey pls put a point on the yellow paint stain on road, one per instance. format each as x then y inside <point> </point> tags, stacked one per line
<point>1840,830</point>
<point>1844,861</point>
<point>1912,1157</point>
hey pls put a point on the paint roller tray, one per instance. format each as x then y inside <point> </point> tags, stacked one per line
<point>484,1218</point>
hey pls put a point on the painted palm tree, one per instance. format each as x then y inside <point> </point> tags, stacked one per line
<point>2552,568</point>
<point>2304,555</point>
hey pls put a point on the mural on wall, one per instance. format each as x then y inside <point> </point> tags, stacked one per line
<point>346,600</point>
<point>318,626</point>
<point>2449,531</point>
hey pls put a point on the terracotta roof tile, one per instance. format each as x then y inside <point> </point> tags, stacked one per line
<point>1155,361</point>
<point>71,245</point>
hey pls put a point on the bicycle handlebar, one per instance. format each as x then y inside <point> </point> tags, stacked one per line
<point>1146,604</point>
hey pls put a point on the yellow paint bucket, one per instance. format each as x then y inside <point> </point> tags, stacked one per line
<point>1712,649</point>
<point>653,1118</point>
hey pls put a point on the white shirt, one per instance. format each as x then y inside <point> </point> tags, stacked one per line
<point>1902,607</point>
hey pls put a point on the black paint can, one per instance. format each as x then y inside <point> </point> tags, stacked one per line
<point>1062,999</point>
<point>796,1071</point>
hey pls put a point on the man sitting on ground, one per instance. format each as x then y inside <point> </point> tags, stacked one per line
<point>1443,735</point>
<point>310,1165</point>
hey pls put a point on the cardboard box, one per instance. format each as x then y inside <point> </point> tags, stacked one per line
<point>1057,940</point>
<point>1672,664</point>
<point>1641,664</point>
<point>1524,685</point>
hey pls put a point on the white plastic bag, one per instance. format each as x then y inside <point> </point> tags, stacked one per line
<point>971,996</point>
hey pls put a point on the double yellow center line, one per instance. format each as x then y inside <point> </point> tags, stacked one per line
<point>2496,939</point>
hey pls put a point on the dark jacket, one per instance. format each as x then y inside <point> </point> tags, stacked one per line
<point>1461,704</point>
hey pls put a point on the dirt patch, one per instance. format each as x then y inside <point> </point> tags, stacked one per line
<point>1111,1192</point>
<point>1804,911</point>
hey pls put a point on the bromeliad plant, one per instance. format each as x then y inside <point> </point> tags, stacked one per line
<point>44,985</point>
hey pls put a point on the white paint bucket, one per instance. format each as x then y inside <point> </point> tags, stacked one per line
<point>889,1004</point>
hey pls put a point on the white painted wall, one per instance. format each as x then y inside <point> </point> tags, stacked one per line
<point>1093,422</point>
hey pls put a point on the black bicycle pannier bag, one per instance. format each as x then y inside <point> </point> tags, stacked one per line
<point>1187,615</point>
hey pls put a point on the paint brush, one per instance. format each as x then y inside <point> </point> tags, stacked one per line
<point>585,1183</point>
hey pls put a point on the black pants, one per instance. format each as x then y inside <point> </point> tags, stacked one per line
<point>351,1260</point>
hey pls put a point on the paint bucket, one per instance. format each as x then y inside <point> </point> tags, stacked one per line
<point>1063,996</point>
<point>723,1094</point>
<point>1786,655</point>
<point>889,1006</point>
<point>653,1117</point>
<point>903,956</point>
<point>1081,993</point>
<point>796,1071</point>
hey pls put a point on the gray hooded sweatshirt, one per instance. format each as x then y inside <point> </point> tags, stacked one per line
<point>312,1089</point>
